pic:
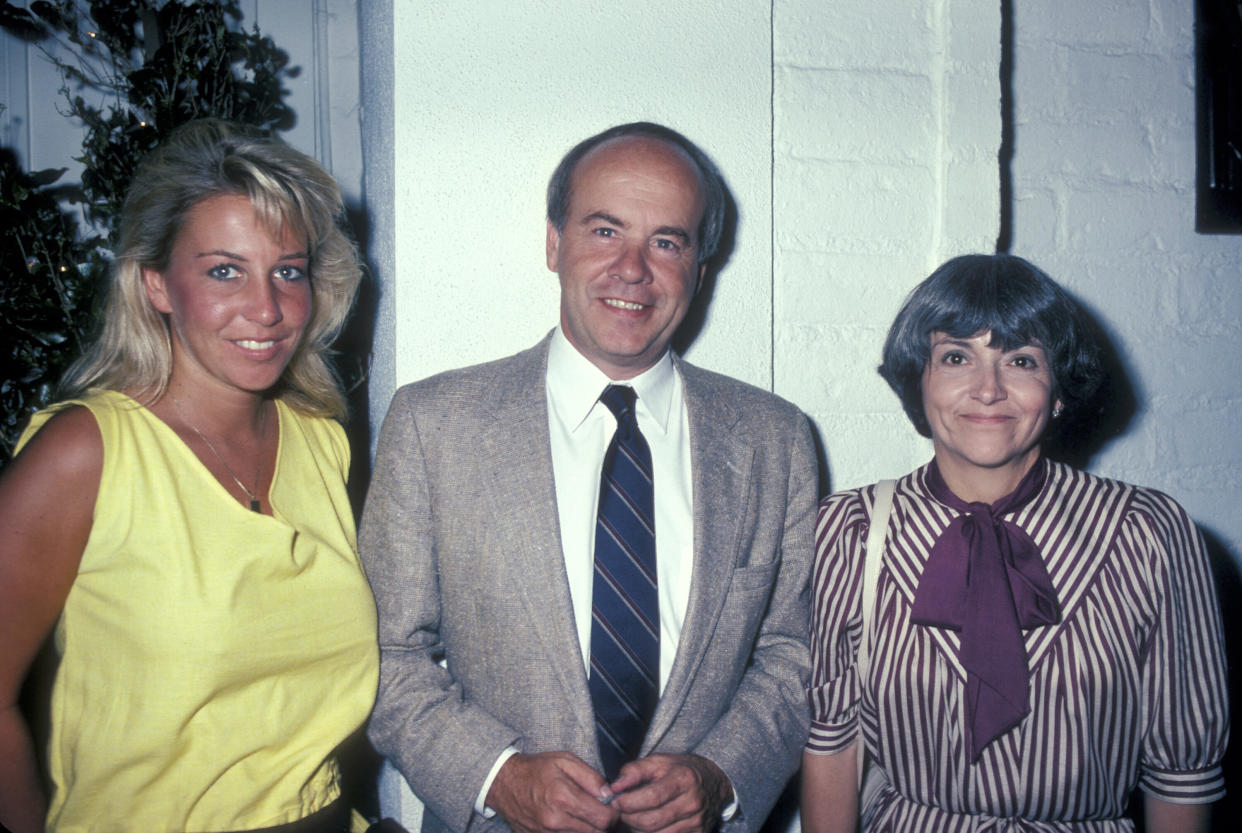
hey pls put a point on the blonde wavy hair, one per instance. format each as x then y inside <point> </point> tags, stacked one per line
<point>289,190</point>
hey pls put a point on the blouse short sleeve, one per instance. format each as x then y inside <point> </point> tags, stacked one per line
<point>836,622</point>
<point>1185,682</point>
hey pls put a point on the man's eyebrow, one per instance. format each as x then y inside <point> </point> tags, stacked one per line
<point>603,216</point>
<point>674,231</point>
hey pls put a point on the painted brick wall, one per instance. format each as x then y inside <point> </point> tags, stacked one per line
<point>1104,176</point>
<point>886,129</point>
<point>886,132</point>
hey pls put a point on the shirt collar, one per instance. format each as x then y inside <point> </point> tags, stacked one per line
<point>575,384</point>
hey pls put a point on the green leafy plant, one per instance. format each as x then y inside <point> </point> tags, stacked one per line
<point>46,297</point>
<point>135,70</point>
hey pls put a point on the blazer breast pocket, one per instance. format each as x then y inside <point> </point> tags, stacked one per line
<point>754,577</point>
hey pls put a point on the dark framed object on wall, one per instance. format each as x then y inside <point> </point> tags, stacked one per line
<point>1218,66</point>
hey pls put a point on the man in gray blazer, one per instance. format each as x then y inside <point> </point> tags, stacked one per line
<point>479,533</point>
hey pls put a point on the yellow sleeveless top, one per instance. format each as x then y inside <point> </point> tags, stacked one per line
<point>211,658</point>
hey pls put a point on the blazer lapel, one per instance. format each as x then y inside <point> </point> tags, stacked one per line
<point>524,504</point>
<point>720,462</point>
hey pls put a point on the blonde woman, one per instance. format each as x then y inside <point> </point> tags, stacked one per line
<point>179,522</point>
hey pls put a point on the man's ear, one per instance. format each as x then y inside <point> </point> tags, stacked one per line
<point>157,294</point>
<point>702,273</point>
<point>551,245</point>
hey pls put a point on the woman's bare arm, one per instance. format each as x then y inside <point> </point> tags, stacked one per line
<point>47,500</point>
<point>1165,817</point>
<point>830,792</point>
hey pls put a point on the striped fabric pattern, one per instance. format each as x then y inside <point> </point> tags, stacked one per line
<point>1128,690</point>
<point>625,606</point>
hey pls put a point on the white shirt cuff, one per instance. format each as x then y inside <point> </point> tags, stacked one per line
<point>730,811</point>
<point>480,803</point>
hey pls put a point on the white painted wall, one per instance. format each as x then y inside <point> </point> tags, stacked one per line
<point>490,95</point>
<point>321,37</point>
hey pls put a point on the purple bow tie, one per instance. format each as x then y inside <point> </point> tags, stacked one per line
<point>986,579</point>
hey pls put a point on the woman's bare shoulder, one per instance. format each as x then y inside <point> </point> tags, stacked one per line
<point>56,474</point>
<point>68,442</point>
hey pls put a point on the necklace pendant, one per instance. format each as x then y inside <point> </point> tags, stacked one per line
<point>254,505</point>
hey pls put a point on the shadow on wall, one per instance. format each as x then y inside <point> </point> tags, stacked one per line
<point>353,356</point>
<point>354,351</point>
<point>696,316</point>
<point>1085,432</point>
<point>821,461</point>
<point>785,813</point>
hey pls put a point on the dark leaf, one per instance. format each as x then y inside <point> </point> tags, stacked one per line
<point>21,24</point>
<point>46,176</point>
<point>57,15</point>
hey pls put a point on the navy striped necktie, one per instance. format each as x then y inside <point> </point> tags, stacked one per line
<point>625,616</point>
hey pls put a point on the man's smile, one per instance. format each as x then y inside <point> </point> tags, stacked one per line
<point>619,304</point>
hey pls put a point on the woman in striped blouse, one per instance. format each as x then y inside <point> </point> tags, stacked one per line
<point>1042,640</point>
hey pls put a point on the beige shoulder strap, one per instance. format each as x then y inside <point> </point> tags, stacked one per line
<point>873,556</point>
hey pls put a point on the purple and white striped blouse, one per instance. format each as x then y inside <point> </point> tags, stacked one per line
<point>1128,690</point>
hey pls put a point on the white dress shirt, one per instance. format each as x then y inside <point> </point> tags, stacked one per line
<point>581,427</point>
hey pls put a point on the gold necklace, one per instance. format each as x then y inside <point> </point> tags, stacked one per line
<point>254,497</point>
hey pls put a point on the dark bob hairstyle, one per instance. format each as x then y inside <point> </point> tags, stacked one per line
<point>1002,294</point>
<point>712,224</point>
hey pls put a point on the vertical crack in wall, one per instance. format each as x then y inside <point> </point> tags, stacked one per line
<point>772,196</point>
<point>1004,237</point>
<point>321,84</point>
<point>938,77</point>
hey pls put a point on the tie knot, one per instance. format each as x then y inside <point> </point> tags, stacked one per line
<point>620,400</point>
